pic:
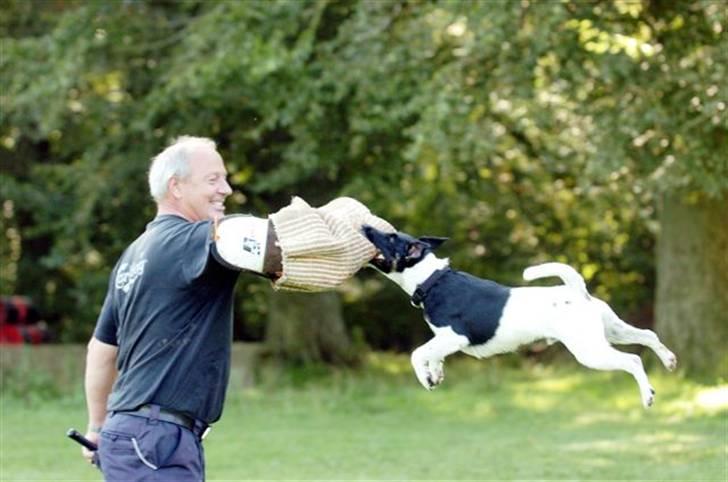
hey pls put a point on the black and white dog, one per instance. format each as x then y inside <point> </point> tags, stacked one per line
<point>483,318</point>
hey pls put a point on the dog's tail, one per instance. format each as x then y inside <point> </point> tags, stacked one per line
<point>568,275</point>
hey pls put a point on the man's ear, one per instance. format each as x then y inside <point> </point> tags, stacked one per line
<point>433,241</point>
<point>174,188</point>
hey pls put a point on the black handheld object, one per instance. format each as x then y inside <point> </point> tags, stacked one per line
<point>74,435</point>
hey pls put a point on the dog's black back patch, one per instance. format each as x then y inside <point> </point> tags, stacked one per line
<point>469,305</point>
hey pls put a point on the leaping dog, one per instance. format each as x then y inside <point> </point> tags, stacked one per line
<point>483,318</point>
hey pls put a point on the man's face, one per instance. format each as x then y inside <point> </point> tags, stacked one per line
<point>203,191</point>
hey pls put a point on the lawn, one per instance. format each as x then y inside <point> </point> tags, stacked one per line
<point>498,419</point>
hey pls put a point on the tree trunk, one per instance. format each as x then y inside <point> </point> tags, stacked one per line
<point>308,328</point>
<point>692,283</point>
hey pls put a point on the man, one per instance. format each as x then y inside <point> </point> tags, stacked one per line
<point>158,363</point>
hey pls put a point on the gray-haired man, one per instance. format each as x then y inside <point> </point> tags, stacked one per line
<point>158,363</point>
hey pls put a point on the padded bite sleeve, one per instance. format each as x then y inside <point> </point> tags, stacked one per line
<point>322,247</point>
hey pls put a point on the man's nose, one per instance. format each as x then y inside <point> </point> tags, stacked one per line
<point>225,188</point>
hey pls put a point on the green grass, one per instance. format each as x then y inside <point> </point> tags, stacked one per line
<point>490,420</point>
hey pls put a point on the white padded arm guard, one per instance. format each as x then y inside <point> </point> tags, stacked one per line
<point>240,241</point>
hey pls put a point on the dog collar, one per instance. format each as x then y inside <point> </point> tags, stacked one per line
<point>422,289</point>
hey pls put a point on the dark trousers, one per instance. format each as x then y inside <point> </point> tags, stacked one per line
<point>141,449</point>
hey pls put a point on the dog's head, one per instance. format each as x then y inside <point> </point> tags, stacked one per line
<point>398,251</point>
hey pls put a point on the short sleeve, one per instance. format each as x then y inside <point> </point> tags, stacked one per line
<point>197,252</point>
<point>106,324</point>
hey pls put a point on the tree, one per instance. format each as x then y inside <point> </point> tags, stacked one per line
<point>614,107</point>
<point>524,130</point>
<point>692,266</point>
<point>308,328</point>
<point>661,98</point>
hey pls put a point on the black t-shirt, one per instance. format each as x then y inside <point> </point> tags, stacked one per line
<point>169,309</point>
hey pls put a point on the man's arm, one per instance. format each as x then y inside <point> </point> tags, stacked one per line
<point>99,378</point>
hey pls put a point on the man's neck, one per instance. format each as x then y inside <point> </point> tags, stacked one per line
<point>165,208</point>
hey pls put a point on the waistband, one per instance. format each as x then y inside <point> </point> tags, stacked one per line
<point>155,412</point>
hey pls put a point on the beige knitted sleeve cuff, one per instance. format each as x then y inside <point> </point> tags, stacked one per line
<point>322,247</point>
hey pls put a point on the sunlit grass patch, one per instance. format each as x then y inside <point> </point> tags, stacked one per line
<point>497,419</point>
<point>547,393</point>
<point>685,400</point>
<point>712,399</point>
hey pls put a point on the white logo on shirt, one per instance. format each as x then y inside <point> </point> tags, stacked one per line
<point>127,275</point>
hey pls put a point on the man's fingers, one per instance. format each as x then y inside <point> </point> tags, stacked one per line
<point>88,455</point>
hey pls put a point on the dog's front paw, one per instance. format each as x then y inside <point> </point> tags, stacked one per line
<point>437,373</point>
<point>427,382</point>
<point>428,379</point>
<point>429,372</point>
<point>423,376</point>
<point>433,381</point>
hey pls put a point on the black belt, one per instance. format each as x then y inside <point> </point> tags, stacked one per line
<point>198,427</point>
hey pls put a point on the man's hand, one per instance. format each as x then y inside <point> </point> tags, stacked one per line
<point>99,378</point>
<point>87,454</point>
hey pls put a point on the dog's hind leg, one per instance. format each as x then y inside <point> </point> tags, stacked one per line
<point>620,333</point>
<point>598,354</point>
<point>427,360</point>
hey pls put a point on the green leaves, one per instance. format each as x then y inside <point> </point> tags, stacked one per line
<point>524,130</point>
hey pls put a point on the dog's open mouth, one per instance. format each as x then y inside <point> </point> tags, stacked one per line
<point>381,262</point>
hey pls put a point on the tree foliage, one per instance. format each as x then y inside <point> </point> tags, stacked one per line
<point>525,130</point>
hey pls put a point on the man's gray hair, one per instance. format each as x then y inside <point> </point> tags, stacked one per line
<point>174,161</point>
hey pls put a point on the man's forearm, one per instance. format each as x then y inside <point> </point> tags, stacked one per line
<point>99,378</point>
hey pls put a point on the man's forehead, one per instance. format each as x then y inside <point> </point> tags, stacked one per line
<point>206,160</point>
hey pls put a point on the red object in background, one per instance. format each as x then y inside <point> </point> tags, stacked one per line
<point>20,321</point>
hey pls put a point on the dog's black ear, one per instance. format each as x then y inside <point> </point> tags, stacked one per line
<point>416,249</point>
<point>433,241</point>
